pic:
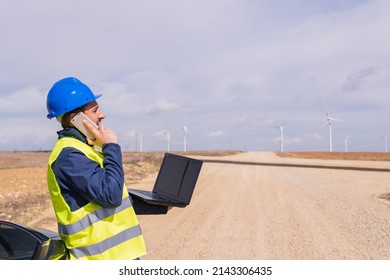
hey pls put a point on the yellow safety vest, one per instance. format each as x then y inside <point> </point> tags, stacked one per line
<point>93,232</point>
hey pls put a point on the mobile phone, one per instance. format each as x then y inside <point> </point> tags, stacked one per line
<point>77,121</point>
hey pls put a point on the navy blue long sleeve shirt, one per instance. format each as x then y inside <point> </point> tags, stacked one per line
<point>81,179</point>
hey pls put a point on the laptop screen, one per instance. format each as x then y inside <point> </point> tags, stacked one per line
<point>177,177</point>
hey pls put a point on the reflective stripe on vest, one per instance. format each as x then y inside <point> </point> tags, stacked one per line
<point>92,218</point>
<point>108,243</point>
<point>94,232</point>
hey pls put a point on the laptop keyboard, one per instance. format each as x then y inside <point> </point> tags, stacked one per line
<point>152,195</point>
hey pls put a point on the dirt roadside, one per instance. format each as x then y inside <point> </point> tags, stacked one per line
<point>248,206</point>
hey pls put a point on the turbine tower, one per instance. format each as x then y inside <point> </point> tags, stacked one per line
<point>346,142</point>
<point>141,142</point>
<point>168,140</point>
<point>329,120</point>
<point>185,132</point>
<point>281,137</point>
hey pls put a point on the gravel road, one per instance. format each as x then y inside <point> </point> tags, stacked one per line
<point>259,206</point>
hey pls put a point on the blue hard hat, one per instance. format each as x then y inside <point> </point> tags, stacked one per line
<point>66,95</point>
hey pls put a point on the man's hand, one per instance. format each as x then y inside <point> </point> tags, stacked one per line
<point>102,136</point>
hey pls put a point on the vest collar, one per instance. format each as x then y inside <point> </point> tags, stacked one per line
<point>72,132</point>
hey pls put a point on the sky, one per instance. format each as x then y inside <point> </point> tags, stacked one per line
<point>231,71</point>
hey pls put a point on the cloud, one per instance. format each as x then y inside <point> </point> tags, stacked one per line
<point>30,100</point>
<point>237,67</point>
<point>296,140</point>
<point>162,106</point>
<point>355,80</point>
<point>131,134</point>
<point>315,136</point>
<point>254,121</point>
<point>214,134</point>
<point>164,134</point>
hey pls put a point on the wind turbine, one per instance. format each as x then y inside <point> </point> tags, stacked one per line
<point>186,132</point>
<point>346,142</point>
<point>168,139</point>
<point>281,137</point>
<point>140,142</point>
<point>329,120</point>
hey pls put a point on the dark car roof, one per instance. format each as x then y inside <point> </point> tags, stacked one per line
<point>22,242</point>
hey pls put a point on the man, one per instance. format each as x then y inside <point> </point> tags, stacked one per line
<point>95,215</point>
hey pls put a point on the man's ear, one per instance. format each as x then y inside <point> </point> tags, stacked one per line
<point>65,122</point>
<point>71,115</point>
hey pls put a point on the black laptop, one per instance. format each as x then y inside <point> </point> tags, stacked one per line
<point>175,182</point>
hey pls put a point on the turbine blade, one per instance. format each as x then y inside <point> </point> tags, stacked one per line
<point>326,109</point>
<point>334,119</point>
<point>186,129</point>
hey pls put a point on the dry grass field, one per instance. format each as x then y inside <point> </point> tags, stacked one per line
<point>373,156</point>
